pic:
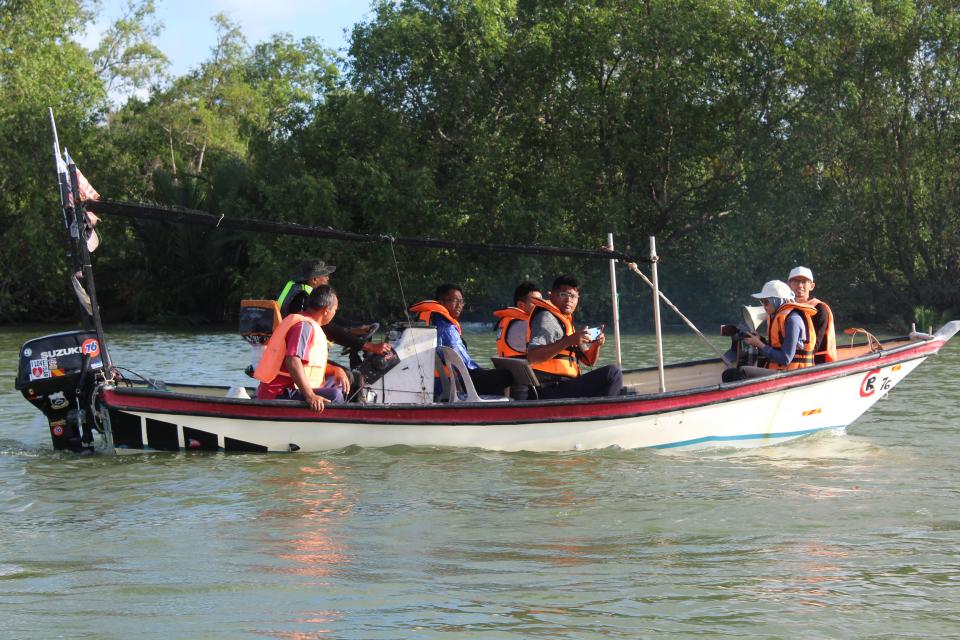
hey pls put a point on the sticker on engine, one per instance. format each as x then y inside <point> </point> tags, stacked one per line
<point>90,347</point>
<point>39,369</point>
<point>58,400</point>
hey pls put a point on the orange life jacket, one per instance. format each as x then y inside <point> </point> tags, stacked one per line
<point>316,365</point>
<point>565,362</point>
<point>804,354</point>
<point>828,342</point>
<point>507,317</point>
<point>428,307</point>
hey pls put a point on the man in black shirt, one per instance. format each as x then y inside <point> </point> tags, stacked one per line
<point>313,273</point>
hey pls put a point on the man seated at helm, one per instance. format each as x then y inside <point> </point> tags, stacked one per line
<point>313,273</point>
<point>802,284</point>
<point>444,313</point>
<point>512,325</point>
<point>790,332</point>
<point>294,365</point>
<point>555,348</point>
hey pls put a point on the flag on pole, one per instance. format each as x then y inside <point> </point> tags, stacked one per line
<point>86,192</point>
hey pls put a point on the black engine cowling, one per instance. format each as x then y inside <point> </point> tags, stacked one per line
<point>57,375</point>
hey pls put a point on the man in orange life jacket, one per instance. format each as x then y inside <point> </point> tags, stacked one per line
<point>444,313</point>
<point>802,284</point>
<point>294,365</point>
<point>512,327</point>
<point>555,348</point>
<point>789,328</point>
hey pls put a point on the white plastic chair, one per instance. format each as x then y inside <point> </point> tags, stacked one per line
<point>460,379</point>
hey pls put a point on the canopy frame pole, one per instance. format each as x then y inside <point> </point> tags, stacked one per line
<point>633,267</point>
<point>615,302</point>
<point>656,311</point>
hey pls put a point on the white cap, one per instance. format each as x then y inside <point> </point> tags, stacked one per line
<point>775,289</point>
<point>800,272</point>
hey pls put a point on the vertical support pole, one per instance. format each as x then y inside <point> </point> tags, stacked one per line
<point>78,234</point>
<point>656,311</point>
<point>615,301</point>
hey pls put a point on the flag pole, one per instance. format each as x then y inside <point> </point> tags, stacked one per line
<point>78,235</point>
<point>66,211</point>
<point>63,187</point>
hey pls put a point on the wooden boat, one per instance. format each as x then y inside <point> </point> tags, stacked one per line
<point>696,411</point>
<point>70,377</point>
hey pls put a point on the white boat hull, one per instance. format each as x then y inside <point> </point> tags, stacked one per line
<point>761,412</point>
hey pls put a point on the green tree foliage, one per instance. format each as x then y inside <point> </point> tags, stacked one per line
<point>127,58</point>
<point>747,137</point>
<point>41,66</point>
<point>195,144</point>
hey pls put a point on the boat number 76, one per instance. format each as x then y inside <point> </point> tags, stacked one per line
<point>870,383</point>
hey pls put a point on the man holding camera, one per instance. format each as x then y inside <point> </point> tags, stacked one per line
<point>555,348</point>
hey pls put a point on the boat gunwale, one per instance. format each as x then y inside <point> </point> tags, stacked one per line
<point>533,411</point>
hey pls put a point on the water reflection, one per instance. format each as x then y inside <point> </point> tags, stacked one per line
<point>818,579</point>
<point>314,503</point>
<point>306,535</point>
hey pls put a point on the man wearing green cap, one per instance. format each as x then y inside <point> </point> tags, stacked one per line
<point>313,273</point>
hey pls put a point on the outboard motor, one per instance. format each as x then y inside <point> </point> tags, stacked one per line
<point>258,320</point>
<point>57,374</point>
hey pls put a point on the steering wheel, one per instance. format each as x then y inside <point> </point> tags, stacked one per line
<point>374,327</point>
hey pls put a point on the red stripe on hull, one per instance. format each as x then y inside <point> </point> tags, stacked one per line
<point>495,412</point>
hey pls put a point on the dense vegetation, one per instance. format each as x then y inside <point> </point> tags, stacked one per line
<point>748,137</point>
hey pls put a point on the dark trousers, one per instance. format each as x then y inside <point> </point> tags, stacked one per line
<point>491,382</point>
<point>599,383</point>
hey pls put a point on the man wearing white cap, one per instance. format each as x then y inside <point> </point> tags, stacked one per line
<point>790,331</point>
<point>802,284</point>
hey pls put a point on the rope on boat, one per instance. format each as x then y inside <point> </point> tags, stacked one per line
<point>872,341</point>
<point>192,216</point>
<point>633,267</point>
<point>396,268</point>
<point>406,307</point>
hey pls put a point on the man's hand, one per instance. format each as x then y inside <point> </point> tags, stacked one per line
<point>592,352</point>
<point>341,379</point>
<point>377,348</point>
<point>314,401</point>
<point>577,338</point>
<point>362,330</point>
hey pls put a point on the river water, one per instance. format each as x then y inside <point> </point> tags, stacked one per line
<point>839,535</point>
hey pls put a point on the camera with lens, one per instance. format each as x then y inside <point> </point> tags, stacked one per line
<point>746,354</point>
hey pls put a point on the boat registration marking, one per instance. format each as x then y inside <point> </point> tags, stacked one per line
<point>872,382</point>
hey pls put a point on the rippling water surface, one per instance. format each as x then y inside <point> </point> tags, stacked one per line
<point>840,535</point>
